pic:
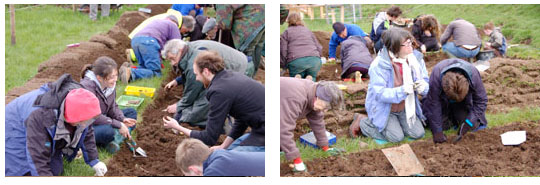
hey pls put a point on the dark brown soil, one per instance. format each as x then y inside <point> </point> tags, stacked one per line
<point>477,154</point>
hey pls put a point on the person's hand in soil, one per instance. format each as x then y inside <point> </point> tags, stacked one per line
<point>439,137</point>
<point>129,122</point>
<point>169,122</point>
<point>171,84</point>
<point>171,108</point>
<point>124,131</point>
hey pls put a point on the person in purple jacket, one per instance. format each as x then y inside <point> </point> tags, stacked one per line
<point>194,158</point>
<point>147,45</point>
<point>456,98</point>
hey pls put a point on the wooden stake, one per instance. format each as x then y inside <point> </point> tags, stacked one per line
<point>333,16</point>
<point>12,21</point>
<point>322,13</point>
<point>342,13</point>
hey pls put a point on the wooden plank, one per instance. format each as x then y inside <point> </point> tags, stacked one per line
<point>322,12</point>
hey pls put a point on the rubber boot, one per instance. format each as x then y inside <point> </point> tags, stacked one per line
<point>114,146</point>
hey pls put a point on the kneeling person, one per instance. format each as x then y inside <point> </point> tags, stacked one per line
<point>228,93</point>
<point>456,96</point>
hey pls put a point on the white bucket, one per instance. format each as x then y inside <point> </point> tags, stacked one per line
<point>513,137</point>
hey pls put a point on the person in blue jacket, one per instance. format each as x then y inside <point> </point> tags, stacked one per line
<point>341,33</point>
<point>397,76</point>
<point>49,124</point>
<point>188,9</point>
<point>194,158</point>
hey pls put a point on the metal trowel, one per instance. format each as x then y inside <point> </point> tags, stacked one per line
<point>137,151</point>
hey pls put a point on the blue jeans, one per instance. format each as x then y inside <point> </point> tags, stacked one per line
<point>104,133</point>
<point>236,145</point>
<point>146,50</point>
<point>459,52</point>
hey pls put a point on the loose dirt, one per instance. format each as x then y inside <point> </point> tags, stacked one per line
<point>477,154</point>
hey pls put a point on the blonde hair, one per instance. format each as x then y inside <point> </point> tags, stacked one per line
<point>295,19</point>
<point>191,152</point>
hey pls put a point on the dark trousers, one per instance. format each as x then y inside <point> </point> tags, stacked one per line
<point>104,133</point>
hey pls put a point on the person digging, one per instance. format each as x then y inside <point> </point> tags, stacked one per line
<point>456,98</point>
<point>229,93</point>
<point>47,126</point>
<point>300,98</point>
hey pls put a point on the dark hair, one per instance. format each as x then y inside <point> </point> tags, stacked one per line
<point>338,27</point>
<point>430,23</point>
<point>103,66</point>
<point>210,60</point>
<point>455,85</point>
<point>393,37</point>
<point>394,11</point>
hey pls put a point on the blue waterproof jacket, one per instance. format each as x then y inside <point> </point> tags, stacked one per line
<point>382,93</point>
<point>335,40</point>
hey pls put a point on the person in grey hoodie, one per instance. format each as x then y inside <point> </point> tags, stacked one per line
<point>497,41</point>
<point>300,50</point>
<point>300,98</point>
<point>466,42</point>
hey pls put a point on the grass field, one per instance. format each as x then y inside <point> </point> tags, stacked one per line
<point>519,22</point>
<point>43,31</point>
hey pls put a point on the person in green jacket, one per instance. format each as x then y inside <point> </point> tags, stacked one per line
<point>193,106</point>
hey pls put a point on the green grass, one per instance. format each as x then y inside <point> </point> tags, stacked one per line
<point>44,31</point>
<point>519,22</point>
<point>352,146</point>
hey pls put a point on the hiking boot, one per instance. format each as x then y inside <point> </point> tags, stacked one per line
<point>354,128</point>
<point>112,147</point>
<point>125,72</point>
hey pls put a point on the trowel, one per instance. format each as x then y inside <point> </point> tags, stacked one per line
<point>403,160</point>
<point>137,151</point>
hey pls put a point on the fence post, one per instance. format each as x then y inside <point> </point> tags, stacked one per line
<point>12,22</point>
<point>342,13</point>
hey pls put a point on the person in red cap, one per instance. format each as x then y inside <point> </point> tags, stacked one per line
<point>53,123</point>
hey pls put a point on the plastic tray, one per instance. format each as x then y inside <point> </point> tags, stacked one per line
<point>138,91</point>
<point>122,101</point>
<point>309,139</point>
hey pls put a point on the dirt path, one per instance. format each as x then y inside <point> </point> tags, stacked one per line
<point>478,154</point>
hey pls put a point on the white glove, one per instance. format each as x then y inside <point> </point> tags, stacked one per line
<point>301,167</point>
<point>423,48</point>
<point>100,169</point>
<point>408,88</point>
<point>420,86</point>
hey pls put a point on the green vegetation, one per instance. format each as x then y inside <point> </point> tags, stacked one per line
<point>44,31</point>
<point>519,22</point>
